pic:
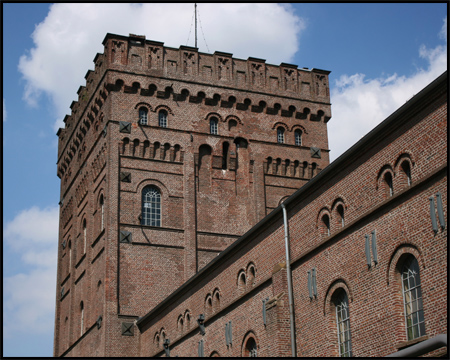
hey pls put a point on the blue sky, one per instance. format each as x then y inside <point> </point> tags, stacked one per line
<point>379,56</point>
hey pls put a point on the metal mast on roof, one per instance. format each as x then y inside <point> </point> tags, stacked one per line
<point>195,9</point>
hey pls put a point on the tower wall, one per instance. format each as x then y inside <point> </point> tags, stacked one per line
<point>211,193</point>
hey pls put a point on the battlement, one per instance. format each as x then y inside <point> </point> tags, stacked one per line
<point>221,69</point>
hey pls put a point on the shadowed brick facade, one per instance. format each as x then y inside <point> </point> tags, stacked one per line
<point>218,253</point>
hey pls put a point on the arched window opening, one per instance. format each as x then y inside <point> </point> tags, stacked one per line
<point>143,116</point>
<point>225,147</point>
<point>280,135</point>
<point>340,211</point>
<point>412,298</point>
<point>213,126</point>
<point>298,137</point>
<point>407,170</point>
<point>241,279</point>
<point>343,323</point>
<point>70,255</point>
<point>82,318</point>
<point>151,206</point>
<point>232,124</point>
<point>102,212</point>
<point>84,236</point>
<point>389,184</point>
<point>326,224</point>
<point>162,118</point>
<point>250,349</point>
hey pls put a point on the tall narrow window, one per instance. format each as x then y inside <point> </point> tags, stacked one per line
<point>151,206</point>
<point>225,147</point>
<point>162,118</point>
<point>143,112</point>
<point>298,137</point>
<point>340,211</point>
<point>280,135</point>
<point>102,208</point>
<point>389,184</point>
<point>343,324</point>
<point>326,224</point>
<point>82,318</point>
<point>84,235</point>
<point>412,297</point>
<point>213,126</point>
<point>407,170</point>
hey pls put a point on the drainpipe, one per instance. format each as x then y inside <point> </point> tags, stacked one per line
<point>422,347</point>
<point>289,281</point>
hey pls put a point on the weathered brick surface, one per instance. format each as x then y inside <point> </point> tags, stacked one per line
<point>209,196</point>
<point>402,225</point>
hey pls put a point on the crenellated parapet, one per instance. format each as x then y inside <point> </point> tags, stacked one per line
<point>141,56</point>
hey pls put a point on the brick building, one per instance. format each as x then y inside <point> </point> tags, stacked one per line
<point>173,166</point>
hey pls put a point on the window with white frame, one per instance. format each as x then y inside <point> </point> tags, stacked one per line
<point>143,116</point>
<point>298,137</point>
<point>412,298</point>
<point>280,135</point>
<point>213,126</point>
<point>343,324</point>
<point>151,206</point>
<point>162,118</point>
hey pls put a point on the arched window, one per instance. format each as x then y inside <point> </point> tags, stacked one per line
<point>389,184</point>
<point>412,298</point>
<point>162,118</point>
<point>102,209</point>
<point>250,349</point>
<point>407,170</point>
<point>84,235</point>
<point>340,211</point>
<point>343,323</point>
<point>298,137</point>
<point>82,317</point>
<point>151,206</point>
<point>213,126</point>
<point>143,112</point>
<point>280,135</point>
<point>326,225</point>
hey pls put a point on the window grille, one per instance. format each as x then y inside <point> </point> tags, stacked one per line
<point>151,206</point>
<point>280,135</point>
<point>343,325</point>
<point>162,118</point>
<point>298,138</point>
<point>143,118</point>
<point>213,126</point>
<point>412,296</point>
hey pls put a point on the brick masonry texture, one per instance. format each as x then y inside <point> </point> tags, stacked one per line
<point>124,288</point>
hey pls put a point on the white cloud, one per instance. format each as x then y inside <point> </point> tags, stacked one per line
<point>29,296</point>
<point>358,105</point>
<point>71,34</point>
<point>4,110</point>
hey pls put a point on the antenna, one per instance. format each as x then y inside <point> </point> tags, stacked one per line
<point>195,9</point>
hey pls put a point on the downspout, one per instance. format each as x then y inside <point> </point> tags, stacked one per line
<point>289,281</point>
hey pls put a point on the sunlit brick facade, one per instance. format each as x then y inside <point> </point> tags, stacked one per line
<point>168,157</point>
<point>174,165</point>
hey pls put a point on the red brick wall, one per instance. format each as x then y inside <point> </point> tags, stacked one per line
<point>402,226</point>
<point>204,208</point>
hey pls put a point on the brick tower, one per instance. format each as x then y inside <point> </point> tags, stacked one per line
<point>168,157</point>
